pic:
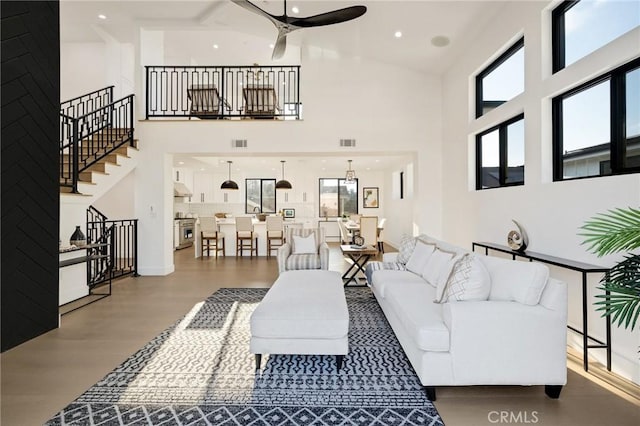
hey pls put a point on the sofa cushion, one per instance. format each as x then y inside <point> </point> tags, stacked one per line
<point>303,261</point>
<point>419,316</point>
<point>468,281</point>
<point>378,266</point>
<point>407,244</point>
<point>438,268</point>
<point>420,256</point>
<point>383,279</point>
<point>516,280</point>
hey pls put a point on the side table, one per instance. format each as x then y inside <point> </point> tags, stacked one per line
<point>360,257</point>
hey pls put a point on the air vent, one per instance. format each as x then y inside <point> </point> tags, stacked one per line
<point>239,143</point>
<point>347,142</point>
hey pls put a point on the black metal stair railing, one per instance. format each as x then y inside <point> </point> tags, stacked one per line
<point>92,127</point>
<point>223,92</point>
<point>121,237</point>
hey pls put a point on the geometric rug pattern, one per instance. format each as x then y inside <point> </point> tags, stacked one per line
<point>200,372</point>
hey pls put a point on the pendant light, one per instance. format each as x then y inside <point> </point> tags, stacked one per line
<point>283,184</point>
<point>229,184</point>
<point>351,174</point>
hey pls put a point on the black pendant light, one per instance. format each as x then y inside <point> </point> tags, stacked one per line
<point>229,184</point>
<point>283,184</point>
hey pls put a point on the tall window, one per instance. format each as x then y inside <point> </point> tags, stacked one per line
<point>581,27</point>
<point>502,80</point>
<point>500,155</point>
<point>596,126</point>
<point>338,198</point>
<point>260,196</point>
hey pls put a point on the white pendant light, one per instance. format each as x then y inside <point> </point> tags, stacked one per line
<point>283,184</point>
<point>229,184</point>
<point>351,174</point>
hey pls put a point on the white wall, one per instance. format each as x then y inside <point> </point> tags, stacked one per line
<point>82,69</point>
<point>118,202</point>
<point>551,212</point>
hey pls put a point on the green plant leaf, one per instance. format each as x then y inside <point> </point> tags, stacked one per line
<point>611,232</point>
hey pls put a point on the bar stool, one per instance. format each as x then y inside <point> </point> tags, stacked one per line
<point>275,233</point>
<point>246,239</point>
<point>210,237</point>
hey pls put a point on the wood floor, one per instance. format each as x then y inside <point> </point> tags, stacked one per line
<point>45,374</point>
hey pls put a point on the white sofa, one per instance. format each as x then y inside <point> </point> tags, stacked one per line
<point>507,328</point>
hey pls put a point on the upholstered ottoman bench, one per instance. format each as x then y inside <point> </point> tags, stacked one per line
<point>303,313</point>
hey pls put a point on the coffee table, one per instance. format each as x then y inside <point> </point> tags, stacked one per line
<point>360,257</point>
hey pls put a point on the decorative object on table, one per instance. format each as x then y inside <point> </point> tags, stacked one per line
<point>283,183</point>
<point>289,213</point>
<point>229,184</point>
<point>77,238</point>
<point>261,217</point>
<point>614,232</point>
<point>370,198</point>
<point>517,240</point>
<point>358,240</point>
<point>350,177</point>
<point>286,24</point>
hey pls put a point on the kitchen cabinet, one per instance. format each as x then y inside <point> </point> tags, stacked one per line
<point>203,188</point>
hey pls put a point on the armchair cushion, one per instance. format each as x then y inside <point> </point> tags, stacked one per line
<point>304,245</point>
<point>288,259</point>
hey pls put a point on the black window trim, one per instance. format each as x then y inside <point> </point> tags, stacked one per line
<point>618,140</point>
<point>502,146</point>
<point>558,34</point>
<point>488,70</point>
<point>339,185</point>
<point>246,195</point>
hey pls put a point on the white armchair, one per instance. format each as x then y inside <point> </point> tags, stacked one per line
<point>302,251</point>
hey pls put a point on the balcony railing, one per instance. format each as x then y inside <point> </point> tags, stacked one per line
<point>224,92</point>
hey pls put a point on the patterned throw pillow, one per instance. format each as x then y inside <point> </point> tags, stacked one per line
<point>407,244</point>
<point>469,280</point>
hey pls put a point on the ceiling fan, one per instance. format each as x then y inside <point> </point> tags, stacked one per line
<point>285,24</point>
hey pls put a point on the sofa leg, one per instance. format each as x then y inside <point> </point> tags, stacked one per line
<point>553,391</point>
<point>339,359</point>
<point>431,392</point>
<point>258,361</point>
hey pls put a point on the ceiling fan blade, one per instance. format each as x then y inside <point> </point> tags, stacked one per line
<point>281,45</point>
<point>255,9</point>
<point>329,18</point>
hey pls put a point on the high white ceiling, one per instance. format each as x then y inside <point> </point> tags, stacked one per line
<point>229,26</point>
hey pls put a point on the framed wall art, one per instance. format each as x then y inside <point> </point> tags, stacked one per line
<point>370,198</point>
<point>288,213</point>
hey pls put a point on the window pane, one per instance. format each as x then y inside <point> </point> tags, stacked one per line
<point>632,83</point>
<point>515,152</point>
<point>348,198</point>
<point>268,196</point>
<point>590,25</point>
<point>490,145</point>
<point>586,131</point>
<point>505,82</point>
<point>328,197</point>
<point>253,195</point>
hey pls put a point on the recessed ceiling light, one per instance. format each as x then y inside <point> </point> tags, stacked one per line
<point>202,169</point>
<point>440,41</point>
<point>215,46</point>
<point>295,9</point>
<point>101,16</point>
<point>181,162</point>
<point>271,46</point>
<point>398,34</point>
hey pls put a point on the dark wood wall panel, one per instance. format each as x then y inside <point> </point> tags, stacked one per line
<point>29,169</point>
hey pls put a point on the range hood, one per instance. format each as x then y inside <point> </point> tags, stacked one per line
<point>181,190</point>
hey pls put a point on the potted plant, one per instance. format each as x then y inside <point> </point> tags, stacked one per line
<point>616,231</point>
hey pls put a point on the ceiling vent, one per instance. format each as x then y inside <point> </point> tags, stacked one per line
<point>239,143</point>
<point>347,142</point>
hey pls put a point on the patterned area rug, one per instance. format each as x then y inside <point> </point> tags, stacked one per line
<point>200,372</point>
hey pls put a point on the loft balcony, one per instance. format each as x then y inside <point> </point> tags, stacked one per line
<point>223,92</point>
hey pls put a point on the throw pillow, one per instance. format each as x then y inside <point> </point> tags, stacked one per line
<point>304,245</point>
<point>469,280</point>
<point>421,254</point>
<point>407,244</point>
<point>438,267</point>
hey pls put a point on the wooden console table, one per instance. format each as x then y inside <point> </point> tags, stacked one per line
<point>584,269</point>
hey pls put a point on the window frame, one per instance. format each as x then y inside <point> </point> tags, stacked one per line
<point>341,182</point>
<point>503,150</point>
<point>246,195</point>
<point>617,124</point>
<point>488,70</point>
<point>558,34</point>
